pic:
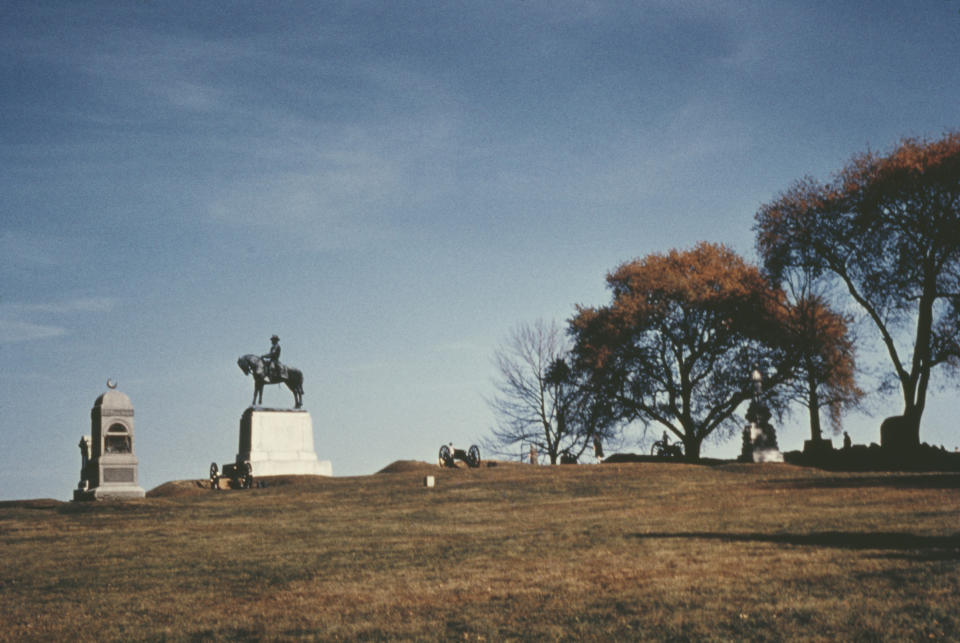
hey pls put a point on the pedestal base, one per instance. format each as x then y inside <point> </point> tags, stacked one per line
<point>760,444</point>
<point>279,442</point>
<point>109,492</point>
<point>767,455</point>
<point>112,476</point>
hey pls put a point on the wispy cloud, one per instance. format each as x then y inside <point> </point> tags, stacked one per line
<point>324,197</point>
<point>21,331</point>
<point>77,305</point>
<point>15,328</point>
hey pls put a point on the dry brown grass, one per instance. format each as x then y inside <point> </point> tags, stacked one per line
<point>641,551</point>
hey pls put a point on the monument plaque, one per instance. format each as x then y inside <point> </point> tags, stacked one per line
<point>108,464</point>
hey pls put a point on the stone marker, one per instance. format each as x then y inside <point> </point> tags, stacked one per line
<point>108,464</point>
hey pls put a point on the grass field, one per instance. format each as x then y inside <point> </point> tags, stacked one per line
<point>629,551</point>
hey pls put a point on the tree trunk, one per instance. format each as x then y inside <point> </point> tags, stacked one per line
<point>691,448</point>
<point>816,434</point>
<point>901,433</point>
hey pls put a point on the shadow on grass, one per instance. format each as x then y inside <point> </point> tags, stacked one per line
<point>893,544</point>
<point>917,481</point>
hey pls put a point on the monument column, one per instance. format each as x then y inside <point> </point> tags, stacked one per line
<point>111,471</point>
<point>759,437</point>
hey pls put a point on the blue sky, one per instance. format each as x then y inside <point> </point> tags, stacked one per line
<point>391,187</point>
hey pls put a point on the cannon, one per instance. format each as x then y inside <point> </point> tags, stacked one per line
<point>665,449</point>
<point>239,473</point>
<point>449,455</point>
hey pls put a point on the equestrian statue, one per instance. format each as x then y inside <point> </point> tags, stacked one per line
<point>267,369</point>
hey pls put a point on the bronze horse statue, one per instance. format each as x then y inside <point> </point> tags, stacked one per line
<point>292,377</point>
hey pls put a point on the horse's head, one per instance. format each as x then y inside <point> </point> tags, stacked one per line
<point>250,363</point>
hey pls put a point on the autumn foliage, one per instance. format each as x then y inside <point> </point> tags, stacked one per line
<point>676,345</point>
<point>824,359</point>
<point>886,228</point>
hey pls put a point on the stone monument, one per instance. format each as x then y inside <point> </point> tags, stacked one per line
<point>759,437</point>
<point>275,442</point>
<point>108,463</point>
<point>279,442</point>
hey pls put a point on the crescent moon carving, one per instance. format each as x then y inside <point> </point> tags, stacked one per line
<point>111,384</point>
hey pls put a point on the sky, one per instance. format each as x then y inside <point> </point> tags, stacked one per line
<point>392,187</point>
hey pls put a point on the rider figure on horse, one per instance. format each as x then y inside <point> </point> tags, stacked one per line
<point>271,359</point>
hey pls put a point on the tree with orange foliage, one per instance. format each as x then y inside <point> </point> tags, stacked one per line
<point>887,227</point>
<point>824,355</point>
<point>677,344</point>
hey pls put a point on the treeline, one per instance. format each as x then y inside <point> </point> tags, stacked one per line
<point>684,329</point>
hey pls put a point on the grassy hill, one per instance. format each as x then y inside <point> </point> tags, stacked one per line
<point>625,551</point>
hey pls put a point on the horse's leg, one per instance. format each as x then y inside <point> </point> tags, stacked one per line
<point>296,398</point>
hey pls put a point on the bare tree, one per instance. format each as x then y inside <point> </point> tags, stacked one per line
<point>539,401</point>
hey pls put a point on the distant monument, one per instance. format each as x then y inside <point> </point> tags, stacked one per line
<point>759,437</point>
<point>276,441</point>
<point>108,465</point>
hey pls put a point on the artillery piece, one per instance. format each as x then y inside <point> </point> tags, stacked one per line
<point>449,455</point>
<point>239,473</point>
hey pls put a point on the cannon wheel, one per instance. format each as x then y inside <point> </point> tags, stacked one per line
<point>445,459</point>
<point>669,451</point>
<point>246,475</point>
<point>214,476</point>
<point>473,456</point>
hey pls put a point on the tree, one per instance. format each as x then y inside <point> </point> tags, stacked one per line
<point>824,355</point>
<point>539,398</point>
<point>888,229</point>
<point>677,343</point>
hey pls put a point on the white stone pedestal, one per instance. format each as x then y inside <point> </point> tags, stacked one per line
<point>279,442</point>
<point>762,452</point>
